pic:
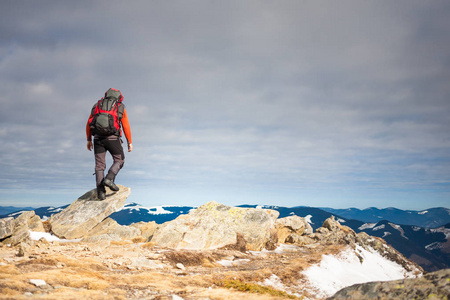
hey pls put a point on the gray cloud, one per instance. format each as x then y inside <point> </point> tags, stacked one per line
<point>302,103</point>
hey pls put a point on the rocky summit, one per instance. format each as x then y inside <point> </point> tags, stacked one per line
<point>85,213</point>
<point>213,252</point>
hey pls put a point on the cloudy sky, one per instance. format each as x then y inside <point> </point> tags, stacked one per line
<point>315,103</point>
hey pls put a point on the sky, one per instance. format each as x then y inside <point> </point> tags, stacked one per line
<point>292,103</point>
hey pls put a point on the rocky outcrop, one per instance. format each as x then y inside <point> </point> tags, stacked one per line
<point>18,230</point>
<point>215,225</point>
<point>434,285</point>
<point>290,229</point>
<point>332,232</point>
<point>86,212</point>
<point>110,230</point>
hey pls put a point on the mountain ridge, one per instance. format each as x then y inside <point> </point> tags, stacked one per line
<point>429,247</point>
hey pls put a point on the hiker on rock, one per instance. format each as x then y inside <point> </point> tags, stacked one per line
<point>107,117</point>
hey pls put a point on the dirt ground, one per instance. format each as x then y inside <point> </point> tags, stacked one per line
<point>136,270</point>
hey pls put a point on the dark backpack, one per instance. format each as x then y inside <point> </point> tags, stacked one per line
<point>106,114</point>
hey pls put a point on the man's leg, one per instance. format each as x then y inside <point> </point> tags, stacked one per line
<point>114,146</point>
<point>100,166</point>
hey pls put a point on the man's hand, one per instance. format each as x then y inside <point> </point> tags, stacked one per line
<point>130,147</point>
<point>89,145</point>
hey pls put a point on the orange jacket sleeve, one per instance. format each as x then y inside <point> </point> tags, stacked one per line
<point>126,126</point>
<point>88,129</point>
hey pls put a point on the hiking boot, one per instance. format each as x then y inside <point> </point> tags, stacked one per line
<point>109,183</point>
<point>101,195</point>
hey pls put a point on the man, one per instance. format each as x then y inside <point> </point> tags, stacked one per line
<point>108,140</point>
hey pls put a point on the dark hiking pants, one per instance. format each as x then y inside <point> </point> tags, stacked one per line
<point>113,145</point>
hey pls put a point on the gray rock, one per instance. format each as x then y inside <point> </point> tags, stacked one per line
<point>6,227</point>
<point>86,212</point>
<point>430,286</point>
<point>109,229</point>
<point>214,225</point>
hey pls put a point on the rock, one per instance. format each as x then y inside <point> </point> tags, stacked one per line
<point>110,230</point>
<point>215,225</point>
<point>24,249</point>
<point>38,282</point>
<point>299,240</point>
<point>332,232</point>
<point>147,229</point>
<point>430,286</point>
<point>87,212</point>
<point>22,226</point>
<point>35,224</point>
<point>6,227</point>
<point>180,266</point>
<point>334,226</point>
<point>292,225</point>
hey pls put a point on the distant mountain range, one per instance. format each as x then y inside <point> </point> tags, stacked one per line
<point>429,218</point>
<point>422,236</point>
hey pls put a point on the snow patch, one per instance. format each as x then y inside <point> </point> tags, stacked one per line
<point>155,210</point>
<point>386,233</point>
<point>444,230</point>
<point>36,236</point>
<point>17,213</point>
<point>367,226</point>
<point>232,263</point>
<point>433,246</point>
<point>423,212</point>
<point>416,228</point>
<point>347,268</point>
<point>308,219</point>
<point>399,228</point>
<point>379,227</point>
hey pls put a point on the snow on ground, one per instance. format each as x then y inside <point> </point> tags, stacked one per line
<point>36,236</point>
<point>345,269</point>
<point>17,213</point>
<point>231,263</point>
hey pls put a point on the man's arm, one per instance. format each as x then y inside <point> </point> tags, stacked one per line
<point>127,130</point>
<point>88,135</point>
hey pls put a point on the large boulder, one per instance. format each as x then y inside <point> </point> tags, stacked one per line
<point>215,225</point>
<point>87,212</point>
